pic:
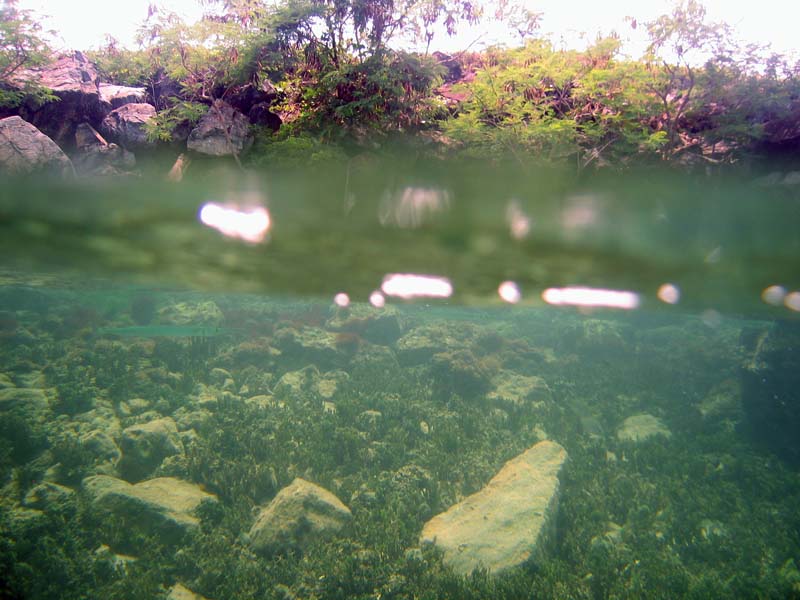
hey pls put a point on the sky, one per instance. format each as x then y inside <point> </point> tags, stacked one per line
<point>84,24</point>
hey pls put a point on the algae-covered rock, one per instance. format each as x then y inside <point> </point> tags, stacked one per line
<point>420,344</point>
<point>192,313</point>
<point>311,345</point>
<point>146,445</point>
<point>299,515</point>
<point>377,325</point>
<point>641,427</point>
<point>515,389</point>
<point>48,496</point>
<point>507,522</point>
<point>181,592</point>
<point>164,506</point>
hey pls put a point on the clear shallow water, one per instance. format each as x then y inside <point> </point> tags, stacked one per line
<point>120,309</point>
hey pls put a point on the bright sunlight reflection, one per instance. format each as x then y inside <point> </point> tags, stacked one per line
<point>407,285</point>
<point>580,296</point>
<point>250,224</point>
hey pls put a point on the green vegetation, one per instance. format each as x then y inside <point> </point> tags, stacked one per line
<point>331,70</point>
<point>21,47</point>
<point>336,81</point>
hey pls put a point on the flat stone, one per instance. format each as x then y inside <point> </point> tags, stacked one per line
<point>641,427</point>
<point>164,506</point>
<point>508,522</point>
<point>300,514</point>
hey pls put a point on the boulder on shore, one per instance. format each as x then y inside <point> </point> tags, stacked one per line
<point>126,125</point>
<point>507,522</point>
<point>25,150</point>
<point>222,131</point>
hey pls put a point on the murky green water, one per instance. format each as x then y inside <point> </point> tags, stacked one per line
<point>163,384</point>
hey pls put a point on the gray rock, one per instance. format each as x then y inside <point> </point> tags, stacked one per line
<point>508,522</point>
<point>222,131</point>
<point>126,125</point>
<point>24,150</point>
<point>164,506</point>
<point>146,445</point>
<point>119,95</point>
<point>73,79</point>
<point>299,515</point>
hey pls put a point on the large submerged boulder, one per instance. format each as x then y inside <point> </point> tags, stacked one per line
<point>146,445</point>
<point>25,150</point>
<point>300,514</point>
<point>508,522</point>
<point>165,506</point>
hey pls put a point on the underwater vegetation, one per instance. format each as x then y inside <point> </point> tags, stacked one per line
<point>138,446</point>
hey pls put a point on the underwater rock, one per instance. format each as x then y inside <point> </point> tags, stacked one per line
<point>462,373</point>
<point>104,450</point>
<point>47,496</point>
<point>420,344</point>
<point>641,427</point>
<point>191,313</point>
<point>297,384</point>
<point>164,506</point>
<point>377,325</point>
<point>310,345</point>
<point>598,337</point>
<point>515,389</point>
<point>376,364</point>
<point>180,592</point>
<point>771,389</point>
<point>329,383</point>
<point>118,563</point>
<point>723,403</point>
<point>509,521</point>
<point>146,445</point>
<point>299,515</point>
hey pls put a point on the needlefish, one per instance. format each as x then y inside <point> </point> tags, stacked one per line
<point>173,331</point>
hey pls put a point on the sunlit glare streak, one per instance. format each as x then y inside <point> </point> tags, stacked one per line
<point>713,257</point>
<point>519,224</point>
<point>669,293</point>
<point>250,224</point>
<point>792,301</point>
<point>341,300</point>
<point>413,206</point>
<point>377,299</point>
<point>580,296</point>
<point>409,285</point>
<point>509,291</point>
<point>774,295</point>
